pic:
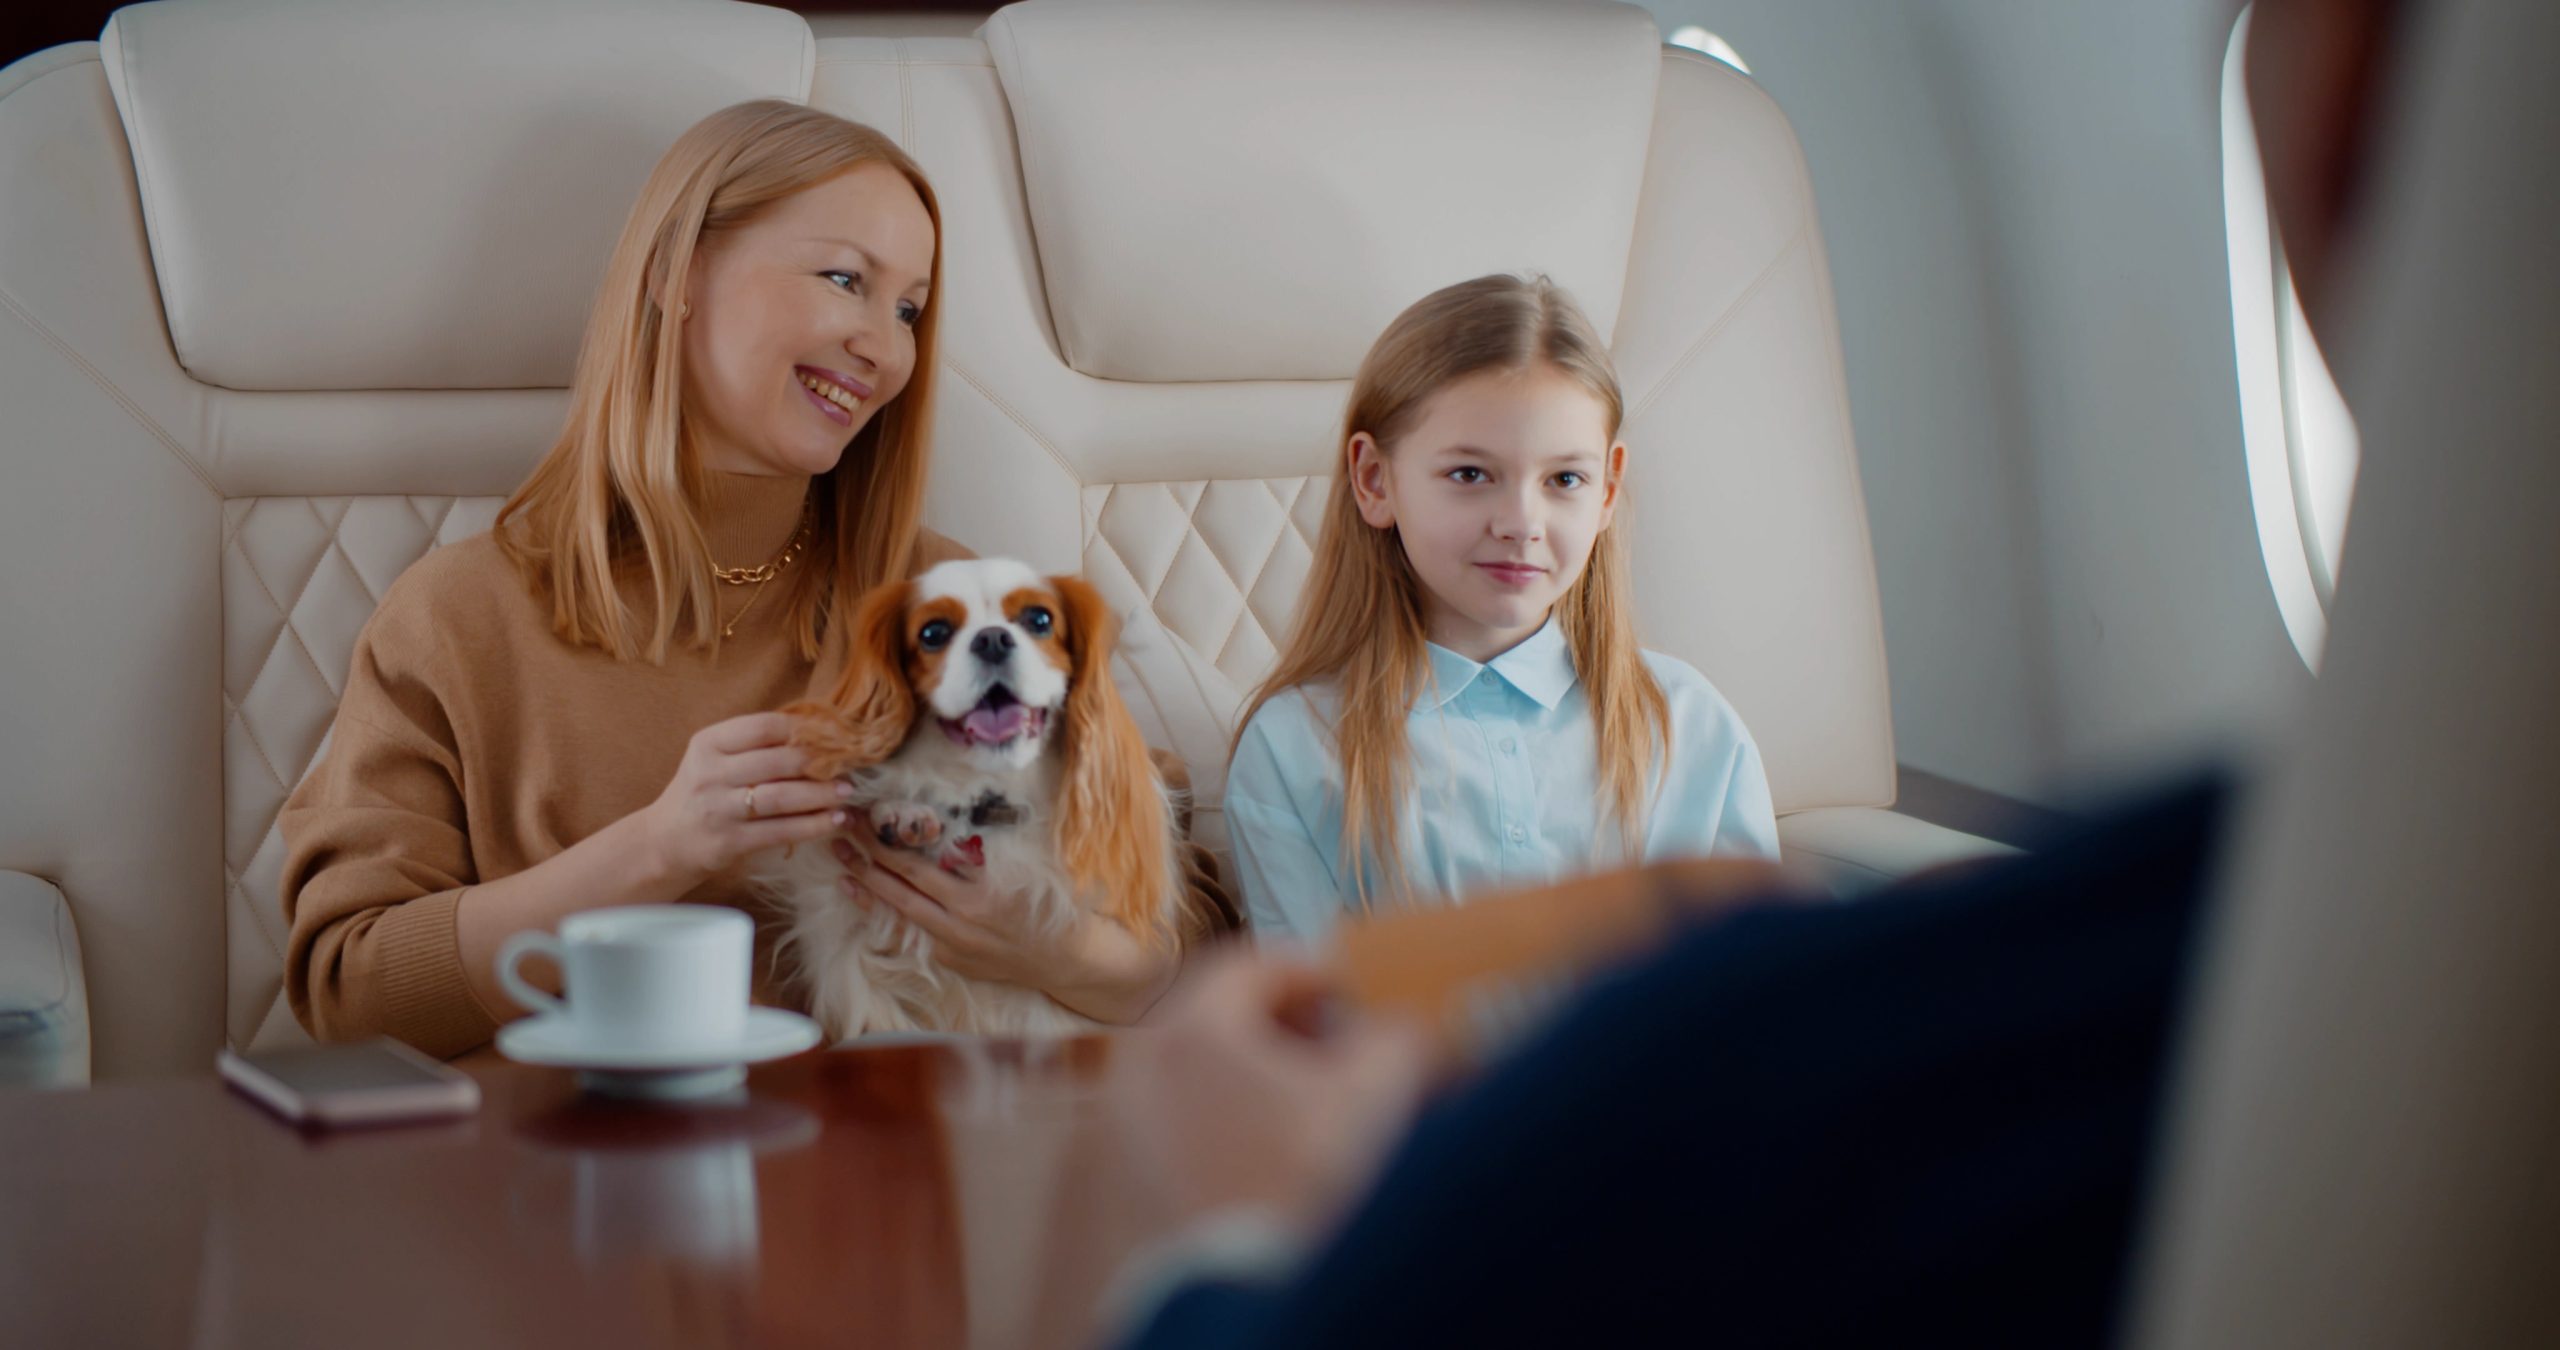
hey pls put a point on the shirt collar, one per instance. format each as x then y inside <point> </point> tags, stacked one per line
<point>1540,667</point>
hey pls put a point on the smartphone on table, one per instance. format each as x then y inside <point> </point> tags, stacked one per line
<point>376,1082</point>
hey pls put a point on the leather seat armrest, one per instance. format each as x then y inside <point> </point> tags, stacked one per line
<point>44,999</point>
<point>1857,848</point>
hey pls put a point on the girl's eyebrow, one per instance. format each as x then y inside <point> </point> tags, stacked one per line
<point>869,258</point>
<point>1560,457</point>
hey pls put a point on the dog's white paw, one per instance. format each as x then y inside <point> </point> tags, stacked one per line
<point>906,824</point>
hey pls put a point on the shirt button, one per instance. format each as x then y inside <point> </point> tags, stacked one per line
<point>1510,746</point>
<point>1518,834</point>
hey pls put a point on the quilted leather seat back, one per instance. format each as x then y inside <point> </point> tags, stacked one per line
<point>1171,231</point>
<point>287,295</point>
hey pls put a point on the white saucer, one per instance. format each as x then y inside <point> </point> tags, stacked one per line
<point>629,1071</point>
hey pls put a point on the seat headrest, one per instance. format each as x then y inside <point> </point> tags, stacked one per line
<point>371,195</point>
<point>1251,191</point>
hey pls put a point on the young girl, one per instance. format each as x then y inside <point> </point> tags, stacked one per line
<point>1462,706</point>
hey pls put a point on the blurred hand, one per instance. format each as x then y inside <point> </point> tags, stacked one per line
<point>1251,1087</point>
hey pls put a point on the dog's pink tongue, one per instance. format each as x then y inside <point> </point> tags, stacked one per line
<point>992,725</point>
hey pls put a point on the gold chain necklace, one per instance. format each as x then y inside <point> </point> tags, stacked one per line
<point>758,576</point>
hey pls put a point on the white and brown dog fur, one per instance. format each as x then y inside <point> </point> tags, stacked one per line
<point>978,721</point>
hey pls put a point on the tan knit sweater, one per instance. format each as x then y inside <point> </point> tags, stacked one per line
<point>473,742</point>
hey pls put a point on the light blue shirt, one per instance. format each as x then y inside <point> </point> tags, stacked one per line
<point>1505,788</point>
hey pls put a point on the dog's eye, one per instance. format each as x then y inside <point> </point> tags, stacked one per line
<point>934,636</point>
<point>1037,620</point>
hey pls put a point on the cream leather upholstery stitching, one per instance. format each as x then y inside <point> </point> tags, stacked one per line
<point>248,733</point>
<point>240,888</point>
<point>1244,585</point>
<point>1841,861</point>
<point>908,62</point>
<point>287,611</point>
<point>96,377</point>
<point>1226,724</point>
<point>1838,371</point>
<point>1716,326</point>
<point>906,102</point>
<point>1882,685</point>
<point>1140,542</point>
<point>400,523</point>
<point>1012,416</point>
<point>338,545</point>
<point>804,66</point>
<point>161,257</point>
<point>1145,685</point>
<point>36,65</point>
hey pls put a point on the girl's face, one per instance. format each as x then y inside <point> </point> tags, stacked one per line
<point>803,323</point>
<point>1499,490</point>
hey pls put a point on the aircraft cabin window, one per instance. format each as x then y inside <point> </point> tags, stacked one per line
<point>1698,39</point>
<point>2301,442</point>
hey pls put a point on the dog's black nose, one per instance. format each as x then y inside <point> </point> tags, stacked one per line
<point>991,645</point>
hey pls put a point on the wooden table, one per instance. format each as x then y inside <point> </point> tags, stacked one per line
<point>898,1196</point>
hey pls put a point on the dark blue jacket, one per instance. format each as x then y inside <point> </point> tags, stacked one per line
<point>1921,1118</point>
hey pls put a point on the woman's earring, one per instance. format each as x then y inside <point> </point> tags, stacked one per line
<point>684,310</point>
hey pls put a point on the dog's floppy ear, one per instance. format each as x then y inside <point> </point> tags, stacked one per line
<point>1113,831</point>
<point>867,716</point>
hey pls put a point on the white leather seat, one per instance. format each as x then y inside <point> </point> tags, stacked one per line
<point>44,1008</point>
<point>290,294</point>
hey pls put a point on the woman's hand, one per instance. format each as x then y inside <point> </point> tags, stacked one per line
<point>1253,1088</point>
<point>1095,966</point>
<point>741,788</point>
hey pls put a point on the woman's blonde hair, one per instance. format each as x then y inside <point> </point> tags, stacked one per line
<point>623,486</point>
<point>1360,621</point>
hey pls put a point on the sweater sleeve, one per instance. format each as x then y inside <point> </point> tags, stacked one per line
<point>378,853</point>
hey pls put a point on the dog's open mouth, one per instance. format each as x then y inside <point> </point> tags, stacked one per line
<point>999,719</point>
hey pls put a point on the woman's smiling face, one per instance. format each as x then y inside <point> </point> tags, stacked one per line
<point>803,323</point>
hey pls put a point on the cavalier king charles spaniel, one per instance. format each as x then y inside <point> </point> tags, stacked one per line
<point>978,722</point>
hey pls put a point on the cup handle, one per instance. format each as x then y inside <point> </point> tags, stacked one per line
<point>511,953</point>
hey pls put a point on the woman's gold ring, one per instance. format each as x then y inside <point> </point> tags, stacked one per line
<point>751,801</point>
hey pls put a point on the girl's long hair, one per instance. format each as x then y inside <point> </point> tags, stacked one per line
<point>1360,621</point>
<point>622,489</point>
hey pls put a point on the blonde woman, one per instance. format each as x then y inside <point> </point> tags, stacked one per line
<point>1462,704</point>
<point>568,712</point>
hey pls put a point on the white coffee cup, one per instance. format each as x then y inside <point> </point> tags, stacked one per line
<point>644,977</point>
